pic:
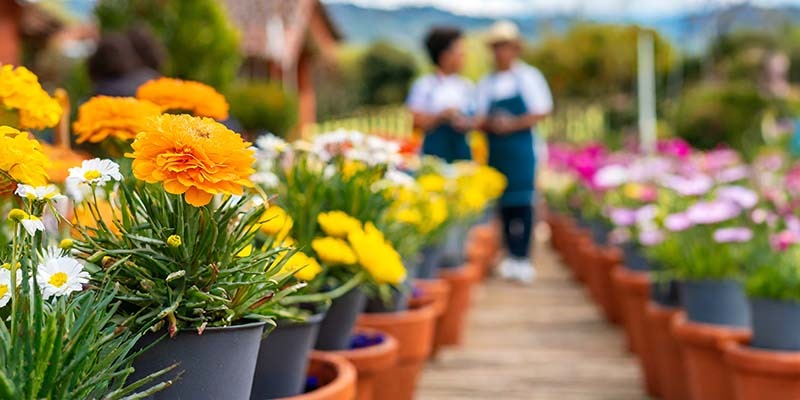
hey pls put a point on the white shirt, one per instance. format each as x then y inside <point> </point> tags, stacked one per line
<point>520,78</point>
<point>435,93</point>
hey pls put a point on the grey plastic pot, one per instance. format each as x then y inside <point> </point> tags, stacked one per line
<point>666,293</point>
<point>283,359</point>
<point>398,302</point>
<point>776,324</point>
<point>337,326</point>
<point>453,251</point>
<point>600,231</point>
<point>718,302</point>
<point>634,259</point>
<point>219,364</point>
<point>430,258</point>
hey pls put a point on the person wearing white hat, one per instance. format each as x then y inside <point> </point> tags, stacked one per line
<point>512,100</point>
<point>441,101</point>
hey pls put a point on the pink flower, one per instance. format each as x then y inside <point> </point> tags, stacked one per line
<point>677,222</point>
<point>792,180</point>
<point>712,212</point>
<point>733,235</point>
<point>619,236</point>
<point>695,185</point>
<point>732,174</point>
<point>740,195</point>
<point>783,240</point>
<point>610,176</point>
<point>622,216</point>
<point>676,147</point>
<point>651,237</point>
<point>646,214</point>
<point>716,160</point>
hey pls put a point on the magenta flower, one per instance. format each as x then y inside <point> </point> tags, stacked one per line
<point>622,216</point>
<point>712,212</point>
<point>651,237</point>
<point>733,235</point>
<point>677,222</point>
<point>676,147</point>
<point>783,240</point>
<point>695,185</point>
<point>740,195</point>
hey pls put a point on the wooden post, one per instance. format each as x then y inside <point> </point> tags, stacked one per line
<point>646,92</point>
<point>10,41</point>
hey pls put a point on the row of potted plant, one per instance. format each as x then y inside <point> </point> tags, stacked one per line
<point>187,263</point>
<point>694,253</point>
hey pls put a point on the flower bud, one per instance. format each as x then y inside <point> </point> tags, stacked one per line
<point>66,244</point>
<point>174,241</point>
<point>17,215</point>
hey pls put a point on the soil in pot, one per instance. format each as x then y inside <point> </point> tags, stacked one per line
<point>413,329</point>
<point>330,377</point>
<point>337,326</point>
<point>760,374</point>
<point>219,364</point>
<point>372,352</point>
<point>776,324</point>
<point>666,351</point>
<point>450,326</point>
<point>716,302</point>
<point>283,359</point>
<point>707,374</point>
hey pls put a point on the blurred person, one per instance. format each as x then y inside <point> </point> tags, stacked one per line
<point>151,52</point>
<point>115,68</point>
<point>512,100</point>
<point>442,100</point>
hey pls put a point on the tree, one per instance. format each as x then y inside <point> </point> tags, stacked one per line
<point>387,73</point>
<point>201,43</point>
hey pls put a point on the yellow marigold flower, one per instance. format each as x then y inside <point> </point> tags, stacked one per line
<point>337,223</point>
<point>174,241</point>
<point>175,94</point>
<point>377,256</point>
<point>119,117</point>
<point>196,157</point>
<point>407,215</point>
<point>436,215</point>
<point>352,167</point>
<point>300,264</point>
<point>277,223</point>
<point>333,251</point>
<point>20,90</point>
<point>22,160</point>
<point>432,183</point>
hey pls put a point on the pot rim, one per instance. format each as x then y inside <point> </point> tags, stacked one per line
<point>312,319</point>
<point>344,382</point>
<point>384,353</point>
<point>744,357</point>
<point>706,335</point>
<point>226,328</point>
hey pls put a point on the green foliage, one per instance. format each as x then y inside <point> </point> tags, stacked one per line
<point>201,42</point>
<point>263,106</point>
<point>710,115</point>
<point>777,276</point>
<point>387,73</point>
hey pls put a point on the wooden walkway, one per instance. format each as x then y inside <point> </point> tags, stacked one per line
<point>542,342</point>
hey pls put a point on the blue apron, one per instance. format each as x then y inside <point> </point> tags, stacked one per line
<point>447,143</point>
<point>512,154</point>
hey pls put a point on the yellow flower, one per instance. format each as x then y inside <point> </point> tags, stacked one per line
<point>276,222</point>
<point>337,223</point>
<point>436,214</point>
<point>333,251</point>
<point>20,90</point>
<point>432,183</point>
<point>407,215</point>
<point>84,217</point>
<point>245,252</point>
<point>174,241</point>
<point>377,256</point>
<point>300,264</point>
<point>351,167</point>
<point>22,160</point>
<point>632,190</point>
<point>196,157</point>
<point>178,95</point>
<point>119,117</point>
<point>17,215</point>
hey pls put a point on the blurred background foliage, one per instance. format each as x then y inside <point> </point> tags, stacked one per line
<point>262,106</point>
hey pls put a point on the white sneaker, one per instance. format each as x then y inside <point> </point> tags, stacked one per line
<point>524,271</point>
<point>507,268</point>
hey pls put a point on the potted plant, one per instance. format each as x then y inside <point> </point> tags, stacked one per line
<point>371,352</point>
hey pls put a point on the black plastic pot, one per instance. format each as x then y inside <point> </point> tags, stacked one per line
<point>430,258</point>
<point>600,231</point>
<point>718,302</point>
<point>453,251</point>
<point>283,359</point>
<point>776,324</point>
<point>398,301</point>
<point>219,364</point>
<point>634,259</point>
<point>666,293</point>
<point>337,326</point>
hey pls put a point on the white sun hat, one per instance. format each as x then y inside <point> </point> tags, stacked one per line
<point>503,31</point>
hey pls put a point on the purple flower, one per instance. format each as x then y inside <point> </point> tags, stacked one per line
<point>651,237</point>
<point>622,216</point>
<point>721,158</point>
<point>740,195</point>
<point>712,212</point>
<point>695,185</point>
<point>733,235</point>
<point>783,240</point>
<point>759,216</point>
<point>646,214</point>
<point>677,222</point>
<point>792,223</point>
<point>733,174</point>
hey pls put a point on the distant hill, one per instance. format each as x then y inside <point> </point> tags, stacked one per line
<point>406,26</point>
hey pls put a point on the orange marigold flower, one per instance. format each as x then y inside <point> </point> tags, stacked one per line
<point>120,117</point>
<point>195,97</point>
<point>198,157</point>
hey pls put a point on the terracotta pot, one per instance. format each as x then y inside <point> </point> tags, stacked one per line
<point>590,256</point>
<point>554,222</point>
<point>578,259</point>
<point>763,374</point>
<point>610,257</point>
<point>479,254</point>
<point>370,361</point>
<point>336,377</point>
<point>450,326</point>
<point>666,351</point>
<point>634,290</point>
<point>431,291</point>
<point>708,376</point>
<point>413,330</point>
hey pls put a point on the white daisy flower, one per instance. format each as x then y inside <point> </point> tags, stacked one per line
<point>61,276</point>
<point>48,192</point>
<point>32,223</point>
<point>270,146</point>
<point>95,172</point>
<point>5,285</point>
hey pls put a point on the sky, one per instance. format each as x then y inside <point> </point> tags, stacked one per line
<point>625,8</point>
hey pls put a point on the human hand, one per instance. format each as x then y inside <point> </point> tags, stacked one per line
<point>463,123</point>
<point>502,124</point>
<point>449,114</point>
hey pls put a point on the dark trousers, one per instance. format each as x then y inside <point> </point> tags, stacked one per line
<point>517,229</point>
